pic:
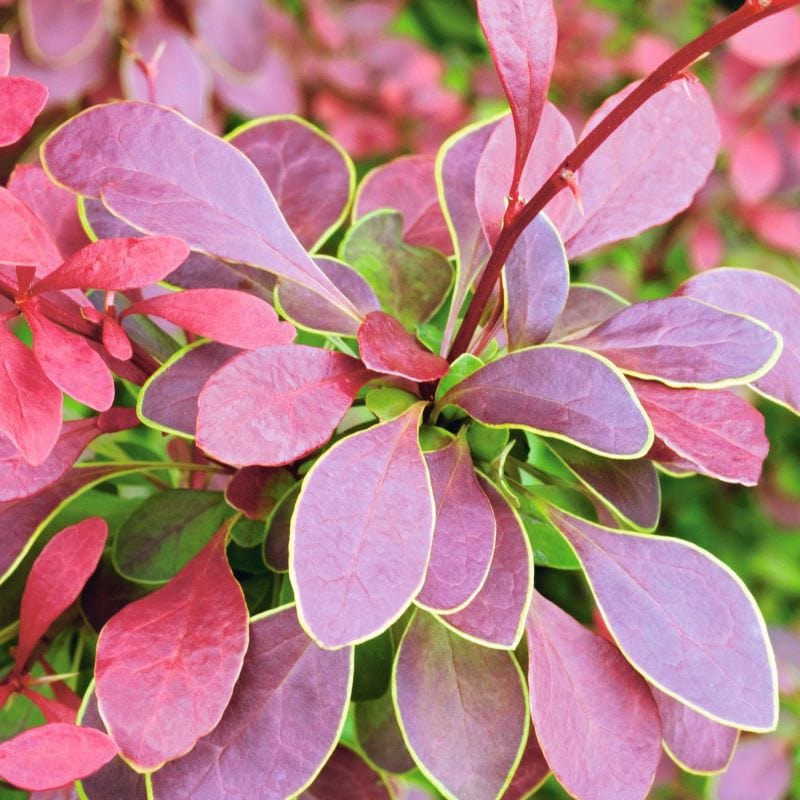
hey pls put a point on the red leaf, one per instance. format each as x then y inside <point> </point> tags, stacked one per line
<point>167,664</point>
<point>30,405</point>
<point>52,710</point>
<point>21,100</point>
<point>24,240</point>
<point>293,397</point>
<point>115,340</point>
<point>224,315</point>
<point>56,579</point>
<point>386,346</point>
<point>346,774</point>
<point>53,755</point>
<point>531,772</point>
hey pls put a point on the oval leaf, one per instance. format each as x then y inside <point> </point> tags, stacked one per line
<point>24,239</point>
<point>21,100</point>
<point>60,31</point>
<point>761,767</point>
<point>587,307</point>
<point>346,774</point>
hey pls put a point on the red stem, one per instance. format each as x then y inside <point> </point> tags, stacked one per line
<point>749,13</point>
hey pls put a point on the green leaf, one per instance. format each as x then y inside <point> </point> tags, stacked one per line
<point>461,368</point>
<point>485,443</point>
<point>388,402</point>
<point>373,669</point>
<point>548,545</point>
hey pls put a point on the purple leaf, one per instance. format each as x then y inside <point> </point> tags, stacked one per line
<point>361,533</point>
<point>531,772</point>
<point>682,342</point>
<point>544,389</point>
<point>282,723</point>
<point>761,767</point>
<point>495,617</point>
<point>168,400</point>
<point>696,743</point>
<point>462,708</point>
<point>379,735</point>
<point>58,32</point>
<point>587,307</point>
<point>386,346</point>
<point>292,397</point>
<point>522,37</point>
<point>717,433</point>
<point>464,535</point>
<point>695,631</point>
<point>139,151</point>
<point>308,173</point>
<point>769,299</point>
<point>594,716</point>
<point>346,774</point>
<point>630,183</point>
<point>629,488</point>
<point>535,283</point>
<point>305,309</point>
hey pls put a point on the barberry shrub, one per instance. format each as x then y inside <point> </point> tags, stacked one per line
<point>365,456</point>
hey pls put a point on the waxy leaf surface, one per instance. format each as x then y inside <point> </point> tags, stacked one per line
<point>536,283</point>
<point>684,343</point>
<point>410,282</point>
<point>346,774</point>
<point>361,532</point>
<point>630,183</point>
<point>310,176</point>
<point>139,151</point>
<point>379,734</point>
<point>587,307</point>
<point>224,315</point>
<point>682,618</point>
<point>464,536</point>
<point>275,405</point>
<point>167,664</point>
<point>545,389</point>
<point>21,100</point>
<point>718,433</point>
<point>53,755</point>
<point>695,742</point>
<point>595,718</point>
<point>169,398</point>
<point>56,579</point>
<point>408,184</point>
<point>769,299</point>
<point>386,346</point>
<point>462,708</point>
<point>496,615</point>
<point>522,37</point>
<point>283,720</point>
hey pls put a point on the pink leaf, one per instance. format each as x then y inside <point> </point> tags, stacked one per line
<point>53,755</point>
<point>293,397</point>
<point>24,239</point>
<point>5,54</point>
<point>30,405</point>
<point>238,40</point>
<point>21,100</point>
<point>167,664</point>
<point>462,709</point>
<point>495,617</point>
<point>115,340</point>
<point>762,768</point>
<point>58,32</point>
<point>594,716</point>
<point>56,579</point>
<point>361,534</point>
<point>696,632</point>
<point>52,710</point>
<point>756,166</point>
<point>718,433</point>
<point>386,346</point>
<point>464,535</point>
<point>772,42</point>
<point>224,315</point>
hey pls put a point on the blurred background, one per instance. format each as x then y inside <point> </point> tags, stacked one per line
<point>388,77</point>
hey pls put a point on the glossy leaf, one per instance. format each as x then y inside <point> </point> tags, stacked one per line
<point>535,283</point>
<point>21,100</point>
<point>695,742</point>
<point>165,532</point>
<point>386,346</point>
<point>696,634</point>
<point>761,767</point>
<point>522,37</point>
<point>718,433</point>
<point>292,396</point>
<point>682,342</point>
<point>544,389</point>
<point>169,398</point>
<point>495,616</point>
<point>361,533</point>
<point>587,307</point>
<point>311,177</point>
<point>630,183</point>
<point>56,579</point>
<point>769,299</point>
<point>138,150</point>
<point>462,709</point>
<point>224,315</point>
<point>464,535</point>
<point>53,755</point>
<point>281,725</point>
<point>410,282</point>
<point>166,664</point>
<point>346,774</point>
<point>379,735</point>
<point>595,718</point>
<point>407,184</point>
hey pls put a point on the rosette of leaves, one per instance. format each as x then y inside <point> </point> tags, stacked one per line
<point>357,494</point>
